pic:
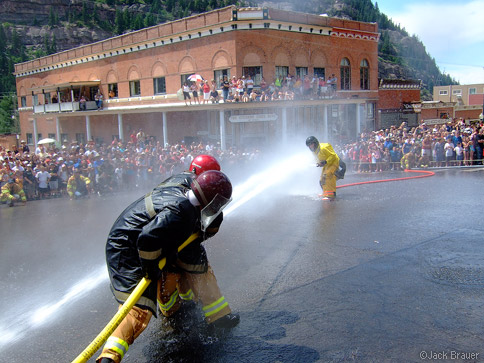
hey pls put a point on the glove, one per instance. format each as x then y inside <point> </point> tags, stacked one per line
<point>321,163</point>
<point>151,270</point>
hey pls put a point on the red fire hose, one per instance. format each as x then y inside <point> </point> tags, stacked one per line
<point>424,174</point>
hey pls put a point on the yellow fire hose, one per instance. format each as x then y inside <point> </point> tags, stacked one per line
<point>123,311</point>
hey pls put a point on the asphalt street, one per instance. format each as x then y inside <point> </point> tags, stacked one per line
<point>389,272</point>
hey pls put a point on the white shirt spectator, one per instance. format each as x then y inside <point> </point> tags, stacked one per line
<point>43,178</point>
<point>249,83</point>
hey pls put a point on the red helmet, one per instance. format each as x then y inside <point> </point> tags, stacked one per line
<point>209,184</point>
<point>204,163</point>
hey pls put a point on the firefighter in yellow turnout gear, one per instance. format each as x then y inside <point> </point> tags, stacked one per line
<point>12,192</point>
<point>327,158</point>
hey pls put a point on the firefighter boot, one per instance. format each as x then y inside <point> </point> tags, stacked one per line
<point>228,321</point>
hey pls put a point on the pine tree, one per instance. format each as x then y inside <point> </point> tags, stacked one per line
<point>51,18</point>
<point>138,22</point>
<point>119,25</point>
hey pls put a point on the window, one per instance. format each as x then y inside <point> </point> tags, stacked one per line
<point>39,136</point>
<point>184,78</point>
<point>335,111</point>
<point>320,72</point>
<point>47,98</point>
<point>113,90</point>
<point>254,72</point>
<point>370,110</point>
<point>301,71</point>
<point>219,74</point>
<point>81,138</point>
<point>345,74</point>
<point>30,139</point>
<point>364,75</point>
<point>443,92</point>
<point>457,92</point>
<point>282,72</point>
<point>23,101</point>
<point>51,136</point>
<point>64,137</point>
<point>134,88</point>
<point>159,85</point>
<point>35,100</point>
<point>92,92</point>
<point>472,91</point>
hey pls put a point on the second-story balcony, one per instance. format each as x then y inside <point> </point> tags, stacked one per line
<point>65,97</point>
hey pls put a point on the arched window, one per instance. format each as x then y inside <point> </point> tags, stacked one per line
<point>345,73</point>
<point>364,75</point>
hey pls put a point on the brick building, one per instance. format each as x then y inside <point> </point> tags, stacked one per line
<point>399,100</point>
<point>139,74</point>
<point>462,95</point>
<point>439,112</point>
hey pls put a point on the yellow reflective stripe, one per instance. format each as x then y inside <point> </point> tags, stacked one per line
<point>215,307</point>
<point>117,345</point>
<point>188,296</point>
<point>150,255</point>
<point>168,305</point>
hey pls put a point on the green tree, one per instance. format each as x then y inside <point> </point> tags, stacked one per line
<point>7,115</point>
<point>138,22</point>
<point>85,14</point>
<point>52,21</point>
<point>119,25</point>
<point>127,20</point>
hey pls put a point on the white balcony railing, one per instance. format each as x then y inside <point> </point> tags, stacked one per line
<point>64,107</point>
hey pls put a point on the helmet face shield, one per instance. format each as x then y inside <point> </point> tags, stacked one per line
<point>313,147</point>
<point>212,210</point>
<point>312,143</point>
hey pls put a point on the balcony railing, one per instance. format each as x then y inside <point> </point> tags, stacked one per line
<point>64,107</point>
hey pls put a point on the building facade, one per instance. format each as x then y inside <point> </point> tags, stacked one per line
<point>398,101</point>
<point>140,73</point>
<point>462,95</point>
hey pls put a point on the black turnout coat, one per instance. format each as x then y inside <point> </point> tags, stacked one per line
<point>145,232</point>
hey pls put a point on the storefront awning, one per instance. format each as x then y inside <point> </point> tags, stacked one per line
<point>54,87</point>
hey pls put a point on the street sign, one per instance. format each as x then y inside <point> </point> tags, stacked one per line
<point>254,118</point>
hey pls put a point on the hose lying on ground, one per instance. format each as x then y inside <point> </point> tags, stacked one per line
<point>425,174</point>
<point>123,311</point>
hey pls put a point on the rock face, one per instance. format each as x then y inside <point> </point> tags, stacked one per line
<point>67,37</point>
<point>25,11</point>
<point>28,18</point>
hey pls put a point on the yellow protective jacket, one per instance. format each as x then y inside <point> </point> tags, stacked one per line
<point>72,184</point>
<point>9,190</point>
<point>327,153</point>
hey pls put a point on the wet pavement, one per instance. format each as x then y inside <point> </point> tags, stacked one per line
<point>388,272</point>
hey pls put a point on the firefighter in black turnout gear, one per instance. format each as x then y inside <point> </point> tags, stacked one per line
<point>152,228</point>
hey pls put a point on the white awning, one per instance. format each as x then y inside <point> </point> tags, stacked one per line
<point>54,87</point>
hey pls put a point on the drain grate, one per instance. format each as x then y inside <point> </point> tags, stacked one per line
<point>458,275</point>
<point>456,258</point>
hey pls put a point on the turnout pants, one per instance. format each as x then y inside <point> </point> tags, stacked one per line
<point>328,181</point>
<point>198,287</point>
<point>172,288</point>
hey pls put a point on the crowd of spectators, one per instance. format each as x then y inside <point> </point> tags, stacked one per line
<point>49,171</point>
<point>455,143</point>
<point>141,162</point>
<point>243,89</point>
